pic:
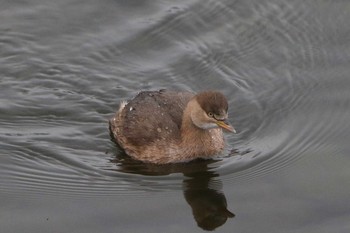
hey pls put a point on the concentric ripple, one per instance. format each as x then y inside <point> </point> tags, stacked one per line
<point>283,67</point>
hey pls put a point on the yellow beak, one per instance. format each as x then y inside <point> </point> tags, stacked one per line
<point>226,125</point>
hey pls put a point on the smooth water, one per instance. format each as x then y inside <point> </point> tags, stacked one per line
<point>284,66</point>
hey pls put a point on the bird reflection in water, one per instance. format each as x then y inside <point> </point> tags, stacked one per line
<point>203,192</point>
<point>202,188</point>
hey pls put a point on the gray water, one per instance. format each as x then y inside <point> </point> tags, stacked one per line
<point>284,66</point>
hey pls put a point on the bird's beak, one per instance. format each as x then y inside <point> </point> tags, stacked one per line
<point>226,125</point>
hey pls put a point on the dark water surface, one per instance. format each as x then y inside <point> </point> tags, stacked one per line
<point>284,66</point>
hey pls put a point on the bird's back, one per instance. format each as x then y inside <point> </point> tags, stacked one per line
<point>152,116</point>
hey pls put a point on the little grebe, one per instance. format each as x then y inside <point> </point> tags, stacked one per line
<point>168,127</point>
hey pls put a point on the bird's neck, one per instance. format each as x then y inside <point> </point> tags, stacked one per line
<point>192,137</point>
<point>188,128</point>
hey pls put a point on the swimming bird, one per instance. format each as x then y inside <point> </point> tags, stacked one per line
<point>171,126</point>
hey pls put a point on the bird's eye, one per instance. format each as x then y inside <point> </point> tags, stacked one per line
<point>210,114</point>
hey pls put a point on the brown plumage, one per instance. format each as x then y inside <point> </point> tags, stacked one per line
<point>167,126</point>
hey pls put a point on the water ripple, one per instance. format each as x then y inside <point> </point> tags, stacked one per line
<point>275,60</point>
